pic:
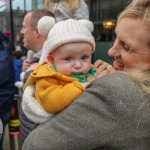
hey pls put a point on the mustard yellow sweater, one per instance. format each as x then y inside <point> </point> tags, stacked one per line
<point>54,91</point>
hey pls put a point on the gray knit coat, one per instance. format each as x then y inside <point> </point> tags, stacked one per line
<point>61,13</point>
<point>112,114</point>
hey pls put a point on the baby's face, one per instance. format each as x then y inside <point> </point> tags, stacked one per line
<point>73,58</point>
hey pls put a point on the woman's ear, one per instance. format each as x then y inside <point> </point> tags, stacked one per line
<point>50,59</point>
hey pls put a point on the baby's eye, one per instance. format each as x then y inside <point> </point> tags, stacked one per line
<point>68,58</point>
<point>83,57</point>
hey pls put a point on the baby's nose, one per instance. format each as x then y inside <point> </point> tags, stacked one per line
<point>77,65</point>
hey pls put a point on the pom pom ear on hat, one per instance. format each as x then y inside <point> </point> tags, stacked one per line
<point>45,24</point>
<point>88,24</point>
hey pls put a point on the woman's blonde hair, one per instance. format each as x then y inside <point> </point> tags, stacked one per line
<point>139,9</point>
<point>71,4</point>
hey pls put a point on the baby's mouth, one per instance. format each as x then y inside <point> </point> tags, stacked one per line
<point>77,73</point>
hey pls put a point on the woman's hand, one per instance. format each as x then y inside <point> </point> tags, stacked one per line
<point>85,84</point>
<point>32,67</point>
<point>26,64</point>
<point>102,68</point>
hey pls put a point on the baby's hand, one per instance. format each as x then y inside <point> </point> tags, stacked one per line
<point>102,68</point>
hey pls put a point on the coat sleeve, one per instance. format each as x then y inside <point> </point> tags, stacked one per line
<point>6,85</point>
<point>103,117</point>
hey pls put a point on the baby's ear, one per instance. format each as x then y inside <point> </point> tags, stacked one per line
<point>50,59</point>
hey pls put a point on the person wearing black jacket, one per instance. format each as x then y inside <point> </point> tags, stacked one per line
<point>6,83</point>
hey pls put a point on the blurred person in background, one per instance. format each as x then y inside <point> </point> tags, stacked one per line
<point>31,38</point>
<point>19,46</point>
<point>34,41</point>
<point>67,9</point>
<point>6,82</point>
<point>17,62</point>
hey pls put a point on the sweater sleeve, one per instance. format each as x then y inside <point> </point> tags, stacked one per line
<point>54,96</point>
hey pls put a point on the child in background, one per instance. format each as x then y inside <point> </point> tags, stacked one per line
<point>69,49</point>
<point>17,62</point>
<point>67,9</point>
<point>19,83</point>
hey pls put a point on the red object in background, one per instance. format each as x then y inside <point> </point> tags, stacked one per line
<point>8,33</point>
<point>13,111</point>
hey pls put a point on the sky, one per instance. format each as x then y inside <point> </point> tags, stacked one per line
<point>16,4</point>
<point>20,3</point>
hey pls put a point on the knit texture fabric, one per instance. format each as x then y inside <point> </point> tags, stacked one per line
<point>112,114</point>
<point>54,91</point>
<point>65,32</point>
<point>61,13</point>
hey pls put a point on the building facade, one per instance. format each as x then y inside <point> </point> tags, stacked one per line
<point>103,13</point>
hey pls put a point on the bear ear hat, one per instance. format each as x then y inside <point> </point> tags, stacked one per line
<point>45,24</point>
<point>88,24</point>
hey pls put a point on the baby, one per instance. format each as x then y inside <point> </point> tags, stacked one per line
<point>58,82</point>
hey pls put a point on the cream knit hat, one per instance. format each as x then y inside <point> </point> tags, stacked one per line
<point>64,32</point>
